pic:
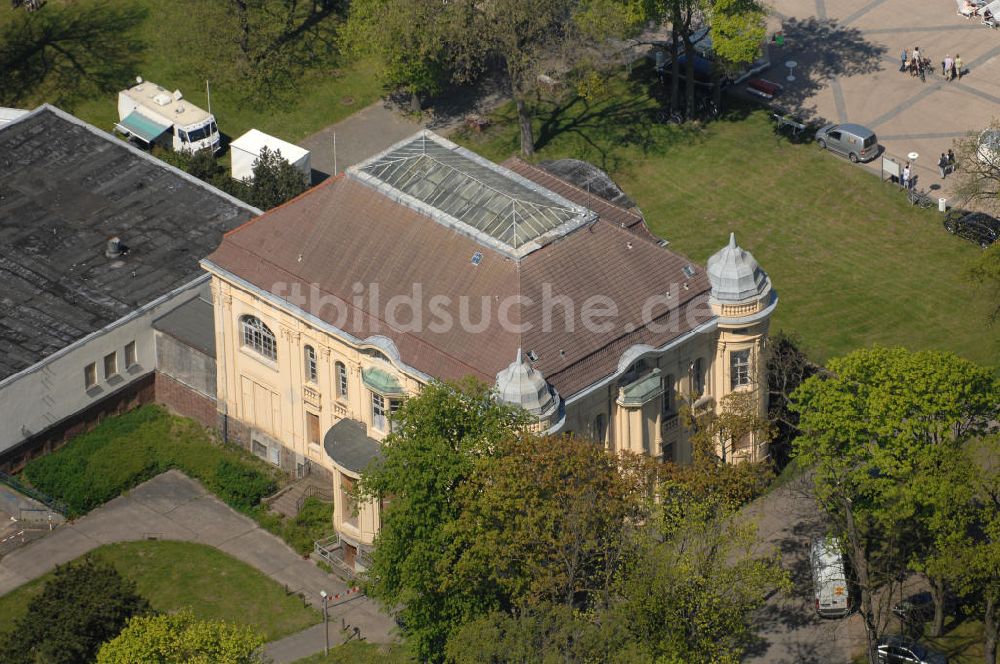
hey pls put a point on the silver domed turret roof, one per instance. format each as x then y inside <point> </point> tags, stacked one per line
<point>522,385</point>
<point>735,275</point>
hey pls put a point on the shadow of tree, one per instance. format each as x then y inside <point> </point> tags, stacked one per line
<point>65,53</point>
<point>823,50</point>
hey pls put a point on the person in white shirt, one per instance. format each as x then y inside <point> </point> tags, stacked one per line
<point>906,176</point>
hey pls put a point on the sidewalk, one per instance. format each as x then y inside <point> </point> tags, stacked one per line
<point>173,506</point>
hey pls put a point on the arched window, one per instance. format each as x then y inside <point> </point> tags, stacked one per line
<point>310,360</point>
<point>341,381</point>
<point>258,337</point>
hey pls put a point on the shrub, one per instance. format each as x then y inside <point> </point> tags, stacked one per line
<point>241,486</point>
<point>124,451</point>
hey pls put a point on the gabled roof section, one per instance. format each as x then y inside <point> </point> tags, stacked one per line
<point>472,195</point>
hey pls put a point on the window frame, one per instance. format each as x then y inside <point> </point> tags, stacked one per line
<point>739,368</point>
<point>311,364</point>
<point>113,358</point>
<point>342,388</point>
<point>90,376</point>
<point>131,353</point>
<point>256,336</point>
<point>313,424</point>
<point>380,412</point>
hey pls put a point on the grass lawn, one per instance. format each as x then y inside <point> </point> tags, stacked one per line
<point>360,652</point>
<point>853,263</point>
<point>175,575</point>
<point>323,96</point>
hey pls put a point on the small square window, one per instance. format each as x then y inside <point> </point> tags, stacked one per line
<point>131,358</point>
<point>90,375</point>
<point>110,365</point>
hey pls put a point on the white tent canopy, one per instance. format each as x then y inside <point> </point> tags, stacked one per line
<point>247,148</point>
<point>994,8</point>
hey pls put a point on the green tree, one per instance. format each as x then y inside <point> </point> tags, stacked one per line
<point>409,37</point>
<point>84,604</point>
<point>738,28</point>
<point>692,592</point>
<point>179,638</point>
<point>868,426</point>
<point>274,181</point>
<point>436,438</point>
<point>545,520</point>
<point>526,36</point>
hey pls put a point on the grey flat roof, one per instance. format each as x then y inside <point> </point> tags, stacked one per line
<point>192,323</point>
<point>470,194</point>
<point>65,188</point>
<point>348,444</point>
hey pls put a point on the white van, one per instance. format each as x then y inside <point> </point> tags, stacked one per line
<point>829,578</point>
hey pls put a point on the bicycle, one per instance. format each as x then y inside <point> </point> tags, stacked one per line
<point>664,116</point>
<point>919,198</point>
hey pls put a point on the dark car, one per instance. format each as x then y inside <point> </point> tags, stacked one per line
<point>903,650</point>
<point>916,609</point>
<point>977,227</point>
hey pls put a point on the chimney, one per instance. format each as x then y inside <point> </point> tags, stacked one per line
<point>115,248</point>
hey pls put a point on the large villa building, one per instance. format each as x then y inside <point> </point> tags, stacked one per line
<point>427,262</point>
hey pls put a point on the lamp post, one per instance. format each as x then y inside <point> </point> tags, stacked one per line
<point>326,621</point>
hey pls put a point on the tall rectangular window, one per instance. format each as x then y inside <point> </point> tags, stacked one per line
<point>739,368</point>
<point>668,394</point>
<point>341,381</point>
<point>312,373</point>
<point>378,412</point>
<point>131,357</point>
<point>312,428</point>
<point>90,375</point>
<point>110,365</point>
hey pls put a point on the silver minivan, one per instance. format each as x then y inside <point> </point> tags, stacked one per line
<point>829,578</point>
<point>855,142</point>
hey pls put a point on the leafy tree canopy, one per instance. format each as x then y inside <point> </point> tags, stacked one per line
<point>179,638</point>
<point>85,603</point>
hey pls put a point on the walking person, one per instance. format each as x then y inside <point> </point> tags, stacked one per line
<point>948,68</point>
<point>958,66</point>
<point>902,60</point>
<point>906,176</point>
<point>951,161</point>
<point>943,165</point>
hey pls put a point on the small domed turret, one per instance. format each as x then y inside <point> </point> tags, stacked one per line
<point>735,275</point>
<point>522,385</point>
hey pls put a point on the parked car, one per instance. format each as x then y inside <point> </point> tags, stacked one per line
<point>855,142</point>
<point>904,650</point>
<point>977,227</point>
<point>830,589</point>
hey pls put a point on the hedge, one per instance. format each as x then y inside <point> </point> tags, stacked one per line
<point>125,451</point>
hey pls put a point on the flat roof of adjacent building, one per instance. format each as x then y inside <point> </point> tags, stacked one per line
<point>192,323</point>
<point>471,195</point>
<point>66,187</point>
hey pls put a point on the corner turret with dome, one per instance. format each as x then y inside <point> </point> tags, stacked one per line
<point>740,287</point>
<point>520,384</point>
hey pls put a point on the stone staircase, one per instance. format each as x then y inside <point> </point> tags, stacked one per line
<point>289,500</point>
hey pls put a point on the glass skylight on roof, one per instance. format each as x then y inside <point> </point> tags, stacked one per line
<point>466,191</point>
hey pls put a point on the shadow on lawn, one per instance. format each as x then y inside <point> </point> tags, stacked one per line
<point>67,53</point>
<point>613,129</point>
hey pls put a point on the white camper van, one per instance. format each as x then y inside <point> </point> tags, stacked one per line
<point>150,113</point>
<point>829,578</point>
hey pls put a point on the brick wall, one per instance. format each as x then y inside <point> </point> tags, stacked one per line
<point>185,401</point>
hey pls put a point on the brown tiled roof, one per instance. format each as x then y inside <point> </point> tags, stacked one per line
<point>344,232</point>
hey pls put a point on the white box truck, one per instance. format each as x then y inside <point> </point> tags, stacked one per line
<point>832,593</point>
<point>152,115</point>
<point>247,148</point>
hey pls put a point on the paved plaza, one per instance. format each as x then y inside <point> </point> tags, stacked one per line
<point>848,55</point>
